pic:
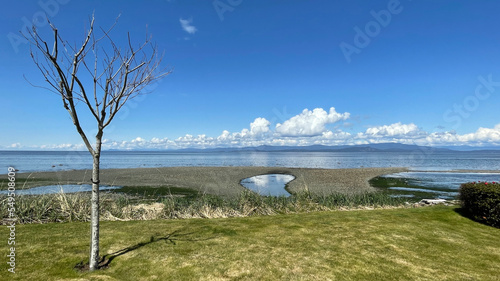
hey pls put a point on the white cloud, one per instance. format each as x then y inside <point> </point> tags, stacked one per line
<point>64,146</point>
<point>394,130</point>
<point>306,128</point>
<point>338,135</point>
<point>190,141</point>
<point>187,26</point>
<point>258,134</point>
<point>259,126</point>
<point>138,140</point>
<point>482,136</point>
<point>15,145</point>
<point>310,123</point>
<point>411,134</point>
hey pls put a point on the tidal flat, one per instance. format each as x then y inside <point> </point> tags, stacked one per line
<point>220,181</point>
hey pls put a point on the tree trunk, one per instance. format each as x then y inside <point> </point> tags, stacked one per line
<point>94,214</point>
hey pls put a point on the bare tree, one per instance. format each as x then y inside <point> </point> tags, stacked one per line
<point>102,77</point>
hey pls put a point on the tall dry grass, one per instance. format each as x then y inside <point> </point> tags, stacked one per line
<point>62,207</point>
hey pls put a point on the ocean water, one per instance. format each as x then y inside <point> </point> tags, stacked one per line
<point>33,161</point>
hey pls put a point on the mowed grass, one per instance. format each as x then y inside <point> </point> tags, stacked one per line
<point>430,243</point>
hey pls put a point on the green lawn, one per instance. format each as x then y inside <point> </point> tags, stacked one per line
<point>432,243</point>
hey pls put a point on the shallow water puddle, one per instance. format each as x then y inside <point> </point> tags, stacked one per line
<point>443,185</point>
<point>268,185</point>
<point>444,180</point>
<point>438,193</point>
<point>51,189</point>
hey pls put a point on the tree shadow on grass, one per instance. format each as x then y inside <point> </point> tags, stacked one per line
<point>177,235</point>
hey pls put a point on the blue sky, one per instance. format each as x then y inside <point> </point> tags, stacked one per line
<point>248,73</point>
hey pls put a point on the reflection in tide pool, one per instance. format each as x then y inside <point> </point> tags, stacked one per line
<point>268,185</point>
<point>51,189</point>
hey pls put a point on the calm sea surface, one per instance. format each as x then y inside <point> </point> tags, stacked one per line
<point>32,161</point>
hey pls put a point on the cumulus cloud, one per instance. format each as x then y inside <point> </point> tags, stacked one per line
<point>138,140</point>
<point>64,146</point>
<point>482,136</point>
<point>307,128</point>
<point>338,135</point>
<point>310,123</point>
<point>187,26</point>
<point>394,130</point>
<point>258,134</point>
<point>259,126</point>
<point>412,134</point>
<point>199,141</point>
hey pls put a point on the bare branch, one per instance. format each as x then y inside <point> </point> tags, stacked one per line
<point>114,76</point>
<point>86,100</point>
<point>41,87</point>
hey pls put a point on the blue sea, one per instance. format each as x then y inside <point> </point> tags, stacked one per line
<point>34,161</point>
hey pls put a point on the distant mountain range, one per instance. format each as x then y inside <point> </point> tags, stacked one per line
<point>379,147</point>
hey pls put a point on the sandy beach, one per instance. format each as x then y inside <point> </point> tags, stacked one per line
<point>224,181</point>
